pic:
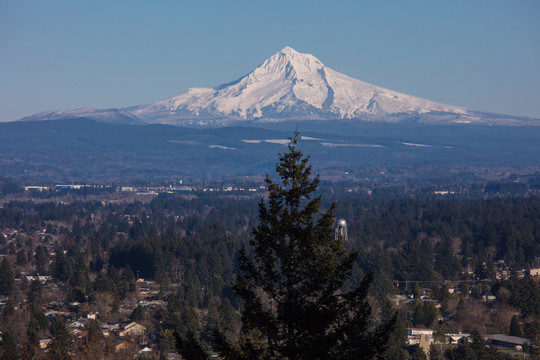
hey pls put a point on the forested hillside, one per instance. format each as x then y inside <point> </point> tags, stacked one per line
<point>187,246</point>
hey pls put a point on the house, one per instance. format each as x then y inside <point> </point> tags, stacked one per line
<point>111,326</point>
<point>43,344</point>
<point>36,188</point>
<point>81,335</point>
<point>153,303</point>
<point>145,350</point>
<point>133,329</point>
<point>398,299</point>
<point>121,345</point>
<point>488,297</point>
<point>415,335</point>
<point>42,279</point>
<point>78,324</point>
<point>457,338</point>
<point>534,272</point>
<point>506,342</point>
<point>91,315</point>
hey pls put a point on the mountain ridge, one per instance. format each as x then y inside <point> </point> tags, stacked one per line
<point>75,150</point>
<point>290,86</point>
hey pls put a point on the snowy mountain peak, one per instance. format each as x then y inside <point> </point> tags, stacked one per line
<point>292,64</point>
<point>290,85</point>
<point>288,50</point>
<point>290,57</point>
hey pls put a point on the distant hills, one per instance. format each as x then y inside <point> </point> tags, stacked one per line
<point>289,86</point>
<point>354,131</point>
<point>83,150</point>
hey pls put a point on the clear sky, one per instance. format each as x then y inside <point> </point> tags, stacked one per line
<point>481,54</point>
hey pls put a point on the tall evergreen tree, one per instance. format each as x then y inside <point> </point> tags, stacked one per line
<point>61,340</point>
<point>42,259</point>
<point>295,306</point>
<point>35,292</point>
<point>7,278</point>
<point>10,347</point>
<point>515,327</point>
<point>21,258</point>
<point>189,347</point>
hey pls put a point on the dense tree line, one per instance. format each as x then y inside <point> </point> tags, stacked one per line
<point>399,239</point>
<point>97,250</point>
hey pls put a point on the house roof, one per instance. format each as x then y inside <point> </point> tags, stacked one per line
<point>508,339</point>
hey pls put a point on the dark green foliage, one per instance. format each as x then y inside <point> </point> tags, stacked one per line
<point>181,316</point>
<point>167,340</point>
<point>416,291</point>
<point>445,261</point>
<point>515,327</point>
<point>94,340</point>
<point>250,345</point>
<point>433,352</point>
<point>490,230</point>
<point>10,347</point>
<point>9,186</point>
<point>7,278</point>
<point>35,292</point>
<point>193,241</point>
<point>512,187</point>
<point>137,314</point>
<point>484,271</point>
<point>138,256</point>
<point>524,294</point>
<point>463,289</point>
<point>527,298</point>
<point>80,286</point>
<point>32,336</point>
<point>104,283</point>
<point>189,347</point>
<point>7,315</point>
<point>424,314</point>
<point>61,267</point>
<point>21,258</point>
<point>61,343</point>
<point>32,332</point>
<point>39,316</point>
<point>95,334</point>
<point>221,315</point>
<point>398,336</point>
<point>42,259</point>
<point>461,304</point>
<point>418,354</point>
<point>430,313</point>
<point>300,268</point>
<point>416,261</point>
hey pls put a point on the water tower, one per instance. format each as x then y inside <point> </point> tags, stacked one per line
<point>341,230</point>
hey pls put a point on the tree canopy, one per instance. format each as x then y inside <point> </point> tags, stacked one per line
<point>292,287</point>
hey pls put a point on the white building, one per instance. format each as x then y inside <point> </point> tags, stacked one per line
<point>133,329</point>
<point>414,335</point>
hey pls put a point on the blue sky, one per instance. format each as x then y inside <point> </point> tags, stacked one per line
<point>482,54</point>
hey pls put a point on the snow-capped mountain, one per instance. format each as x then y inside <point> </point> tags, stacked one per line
<point>289,86</point>
<point>293,86</point>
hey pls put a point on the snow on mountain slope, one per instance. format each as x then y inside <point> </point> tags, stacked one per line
<point>111,116</point>
<point>353,98</point>
<point>289,85</point>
